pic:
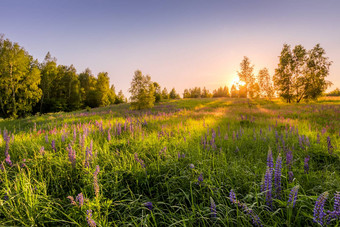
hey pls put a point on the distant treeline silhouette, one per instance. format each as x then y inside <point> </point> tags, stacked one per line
<point>28,87</point>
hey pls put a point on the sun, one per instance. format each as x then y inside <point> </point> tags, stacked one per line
<point>237,82</point>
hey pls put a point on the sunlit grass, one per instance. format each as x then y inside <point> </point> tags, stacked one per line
<point>168,139</point>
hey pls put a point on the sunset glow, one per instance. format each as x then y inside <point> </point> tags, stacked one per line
<point>189,44</point>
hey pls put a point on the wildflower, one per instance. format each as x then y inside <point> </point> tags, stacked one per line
<point>89,219</point>
<point>255,218</point>
<point>46,138</point>
<point>71,155</point>
<point>8,160</point>
<point>95,181</point>
<point>289,159</point>
<point>318,139</point>
<point>6,198</point>
<point>148,205</point>
<point>200,178</point>
<point>268,187</point>
<point>108,135</point>
<point>319,213</point>
<point>80,199</point>
<point>270,162</point>
<point>213,208</point>
<point>329,145</point>
<point>191,166</point>
<point>290,176</point>
<point>306,166</point>
<point>277,176</point>
<point>232,196</point>
<point>337,202</point>
<point>293,196</point>
<point>53,146</point>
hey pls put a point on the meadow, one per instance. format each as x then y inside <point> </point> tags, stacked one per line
<point>191,162</point>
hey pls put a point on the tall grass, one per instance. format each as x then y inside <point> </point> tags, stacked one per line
<point>181,157</point>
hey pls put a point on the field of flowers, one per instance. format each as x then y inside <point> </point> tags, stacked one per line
<point>199,162</point>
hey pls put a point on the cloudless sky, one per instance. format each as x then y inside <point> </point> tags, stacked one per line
<point>179,43</point>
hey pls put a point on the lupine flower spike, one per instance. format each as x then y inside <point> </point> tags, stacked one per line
<point>293,196</point>
<point>319,213</point>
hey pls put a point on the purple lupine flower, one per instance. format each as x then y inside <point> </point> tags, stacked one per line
<point>46,138</point>
<point>95,181</point>
<point>337,202</point>
<point>319,213</point>
<point>270,161</point>
<point>7,139</point>
<point>318,138</point>
<point>89,219</point>
<point>8,160</point>
<point>323,131</point>
<point>232,196</point>
<point>71,155</point>
<point>329,145</point>
<point>74,134</point>
<point>6,198</point>
<point>80,199</point>
<point>289,159</point>
<point>191,166</point>
<point>213,208</point>
<point>290,176</point>
<point>293,196</point>
<point>200,178</point>
<point>277,176</point>
<point>88,157</point>
<point>306,165</point>
<point>255,218</point>
<point>268,187</point>
<point>108,135</point>
<point>148,205</point>
<point>53,146</point>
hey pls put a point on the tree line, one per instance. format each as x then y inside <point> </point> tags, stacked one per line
<point>27,86</point>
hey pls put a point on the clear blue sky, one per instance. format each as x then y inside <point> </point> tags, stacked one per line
<point>180,43</point>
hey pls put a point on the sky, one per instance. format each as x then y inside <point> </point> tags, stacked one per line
<point>179,43</point>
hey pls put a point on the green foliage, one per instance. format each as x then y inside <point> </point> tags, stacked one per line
<point>265,84</point>
<point>176,143</point>
<point>120,98</point>
<point>221,92</point>
<point>301,74</point>
<point>335,92</point>
<point>158,92</point>
<point>142,91</point>
<point>246,75</point>
<point>165,94</point>
<point>19,80</point>
<point>173,94</point>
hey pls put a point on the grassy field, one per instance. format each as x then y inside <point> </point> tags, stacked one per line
<point>181,163</point>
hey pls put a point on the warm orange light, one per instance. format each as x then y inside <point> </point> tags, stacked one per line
<point>237,82</point>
